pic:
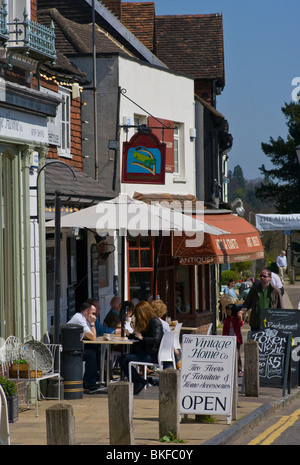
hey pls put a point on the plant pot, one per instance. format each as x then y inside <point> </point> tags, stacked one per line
<point>19,370</point>
<point>12,408</point>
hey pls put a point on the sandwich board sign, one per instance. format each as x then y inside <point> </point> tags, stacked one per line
<point>208,375</point>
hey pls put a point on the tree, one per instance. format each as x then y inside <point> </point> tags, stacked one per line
<point>282,183</point>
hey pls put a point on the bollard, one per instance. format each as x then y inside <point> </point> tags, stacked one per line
<point>251,369</point>
<point>60,425</point>
<point>120,410</point>
<point>169,402</point>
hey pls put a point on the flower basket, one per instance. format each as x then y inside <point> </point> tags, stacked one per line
<point>21,369</point>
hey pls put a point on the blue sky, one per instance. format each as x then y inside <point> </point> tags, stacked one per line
<point>262,56</point>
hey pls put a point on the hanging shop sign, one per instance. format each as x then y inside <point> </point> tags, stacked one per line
<point>144,160</point>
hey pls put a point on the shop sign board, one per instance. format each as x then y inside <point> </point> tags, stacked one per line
<point>144,160</point>
<point>207,374</point>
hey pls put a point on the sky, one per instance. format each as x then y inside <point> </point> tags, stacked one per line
<point>262,58</point>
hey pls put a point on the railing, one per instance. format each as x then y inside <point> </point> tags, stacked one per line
<point>33,38</point>
<point>3,22</point>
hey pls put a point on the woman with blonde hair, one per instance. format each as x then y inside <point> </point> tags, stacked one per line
<point>148,333</point>
<point>160,310</point>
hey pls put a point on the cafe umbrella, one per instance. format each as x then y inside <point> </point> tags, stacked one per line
<point>123,214</point>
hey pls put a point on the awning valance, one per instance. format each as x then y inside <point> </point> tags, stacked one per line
<point>241,244</point>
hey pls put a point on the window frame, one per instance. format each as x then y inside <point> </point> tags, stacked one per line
<point>64,120</point>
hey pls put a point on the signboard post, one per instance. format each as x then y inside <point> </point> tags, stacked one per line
<point>208,375</point>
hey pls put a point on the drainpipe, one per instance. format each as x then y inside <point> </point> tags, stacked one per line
<point>95,94</point>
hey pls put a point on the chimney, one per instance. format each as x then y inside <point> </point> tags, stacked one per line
<point>114,6</point>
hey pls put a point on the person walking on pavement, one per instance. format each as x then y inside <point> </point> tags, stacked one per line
<point>281,262</point>
<point>232,327</point>
<point>262,296</point>
<point>276,281</point>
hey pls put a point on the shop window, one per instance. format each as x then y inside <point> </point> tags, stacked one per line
<point>182,290</point>
<point>140,259</point>
<point>140,252</point>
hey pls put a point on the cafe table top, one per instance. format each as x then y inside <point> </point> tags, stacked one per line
<point>114,339</point>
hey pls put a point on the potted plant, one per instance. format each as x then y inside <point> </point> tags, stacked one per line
<point>10,390</point>
<point>19,369</point>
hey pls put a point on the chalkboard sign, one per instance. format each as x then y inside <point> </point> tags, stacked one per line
<point>282,323</point>
<point>207,374</point>
<point>272,356</point>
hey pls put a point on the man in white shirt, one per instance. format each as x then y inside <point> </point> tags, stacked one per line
<point>86,318</point>
<point>276,281</point>
<point>281,262</point>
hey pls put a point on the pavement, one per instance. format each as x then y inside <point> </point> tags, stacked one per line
<point>92,421</point>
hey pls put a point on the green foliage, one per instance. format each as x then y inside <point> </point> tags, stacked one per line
<point>239,267</point>
<point>227,275</point>
<point>170,438</point>
<point>9,387</point>
<point>282,182</point>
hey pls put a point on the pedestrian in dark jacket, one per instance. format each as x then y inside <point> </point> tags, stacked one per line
<point>262,296</point>
<point>232,327</point>
<point>148,333</point>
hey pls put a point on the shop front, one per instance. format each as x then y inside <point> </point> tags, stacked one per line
<point>240,243</point>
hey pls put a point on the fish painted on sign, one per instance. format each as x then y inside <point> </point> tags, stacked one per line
<point>145,159</point>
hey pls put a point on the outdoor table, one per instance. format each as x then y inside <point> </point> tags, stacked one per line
<point>107,342</point>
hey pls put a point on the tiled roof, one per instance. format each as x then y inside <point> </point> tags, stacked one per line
<point>192,44</point>
<point>72,37</point>
<point>60,178</point>
<point>139,18</point>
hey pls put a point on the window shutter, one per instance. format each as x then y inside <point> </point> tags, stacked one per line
<point>167,138</point>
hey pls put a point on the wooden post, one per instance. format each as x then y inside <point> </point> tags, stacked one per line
<point>60,425</point>
<point>120,410</point>
<point>251,369</point>
<point>235,389</point>
<point>169,403</point>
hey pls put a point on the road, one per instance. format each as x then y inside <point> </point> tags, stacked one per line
<point>282,428</point>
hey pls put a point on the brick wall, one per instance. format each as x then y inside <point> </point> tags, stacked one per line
<point>33,10</point>
<point>76,133</point>
<point>203,88</point>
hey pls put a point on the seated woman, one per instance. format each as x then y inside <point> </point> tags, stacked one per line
<point>230,289</point>
<point>148,333</point>
<point>160,310</point>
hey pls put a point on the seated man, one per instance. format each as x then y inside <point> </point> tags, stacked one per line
<point>100,329</point>
<point>112,319</point>
<point>86,318</point>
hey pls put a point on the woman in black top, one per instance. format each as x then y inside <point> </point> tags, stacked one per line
<point>148,334</point>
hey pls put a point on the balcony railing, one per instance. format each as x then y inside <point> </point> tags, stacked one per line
<point>32,38</point>
<point>3,23</point>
